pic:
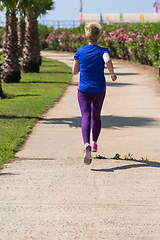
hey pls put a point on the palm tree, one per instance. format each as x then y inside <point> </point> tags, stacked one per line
<point>2,8</point>
<point>1,90</point>
<point>21,31</point>
<point>31,58</point>
<point>11,67</point>
<point>5,33</point>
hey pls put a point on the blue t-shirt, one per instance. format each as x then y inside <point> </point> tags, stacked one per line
<point>92,79</point>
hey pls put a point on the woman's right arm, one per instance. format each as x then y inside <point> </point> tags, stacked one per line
<point>109,65</point>
<point>76,67</point>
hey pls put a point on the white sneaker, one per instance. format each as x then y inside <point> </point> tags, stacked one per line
<point>87,159</point>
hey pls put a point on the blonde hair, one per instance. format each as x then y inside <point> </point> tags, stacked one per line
<point>92,31</point>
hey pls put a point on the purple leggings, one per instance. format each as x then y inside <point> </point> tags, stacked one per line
<point>90,104</point>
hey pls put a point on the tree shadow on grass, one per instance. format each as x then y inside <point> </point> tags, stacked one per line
<point>3,116</point>
<point>53,72</point>
<point>11,96</point>
<point>137,164</point>
<point>47,82</point>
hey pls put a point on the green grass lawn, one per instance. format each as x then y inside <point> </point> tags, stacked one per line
<point>26,101</point>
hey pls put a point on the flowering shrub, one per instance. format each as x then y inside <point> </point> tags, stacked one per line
<point>139,42</point>
<point>66,39</point>
<point>43,33</point>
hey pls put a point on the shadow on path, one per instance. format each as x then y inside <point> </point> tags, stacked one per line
<point>8,174</point>
<point>124,74</point>
<point>137,164</point>
<point>117,84</point>
<point>109,121</point>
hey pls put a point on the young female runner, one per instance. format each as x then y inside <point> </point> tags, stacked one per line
<point>90,60</point>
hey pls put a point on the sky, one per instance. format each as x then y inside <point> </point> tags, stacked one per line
<point>69,9</point>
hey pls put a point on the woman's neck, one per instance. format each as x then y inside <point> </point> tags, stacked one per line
<point>92,43</point>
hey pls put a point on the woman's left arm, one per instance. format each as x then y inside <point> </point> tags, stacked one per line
<point>76,67</point>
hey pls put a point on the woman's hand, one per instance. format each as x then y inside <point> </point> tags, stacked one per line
<point>114,77</point>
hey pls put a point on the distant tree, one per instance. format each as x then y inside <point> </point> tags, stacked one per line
<point>11,67</point>
<point>31,58</point>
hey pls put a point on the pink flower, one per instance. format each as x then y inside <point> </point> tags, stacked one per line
<point>114,37</point>
<point>104,33</point>
<point>133,34</point>
<point>111,33</point>
<point>139,36</point>
<point>130,39</point>
<point>105,39</point>
<point>159,51</point>
<point>120,35</point>
<point>118,30</point>
<point>125,36</point>
<point>140,44</point>
<point>130,51</point>
<point>83,36</point>
<point>156,37</point>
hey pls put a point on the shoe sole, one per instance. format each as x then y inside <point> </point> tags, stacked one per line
<point>94,150</point>
<point>87,159</point>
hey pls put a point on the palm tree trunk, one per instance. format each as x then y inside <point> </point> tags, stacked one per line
<point>2,95</point>
<point>38,45</point>
<point>5,33</point>
<point>11,68</point>
<point>21,33</point>
<point>30,55</point>
<point>1,90</point>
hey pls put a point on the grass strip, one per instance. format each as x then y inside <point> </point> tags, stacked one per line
<point>26,101</point>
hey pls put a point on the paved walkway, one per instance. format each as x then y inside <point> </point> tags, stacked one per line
<point>51,194</point>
